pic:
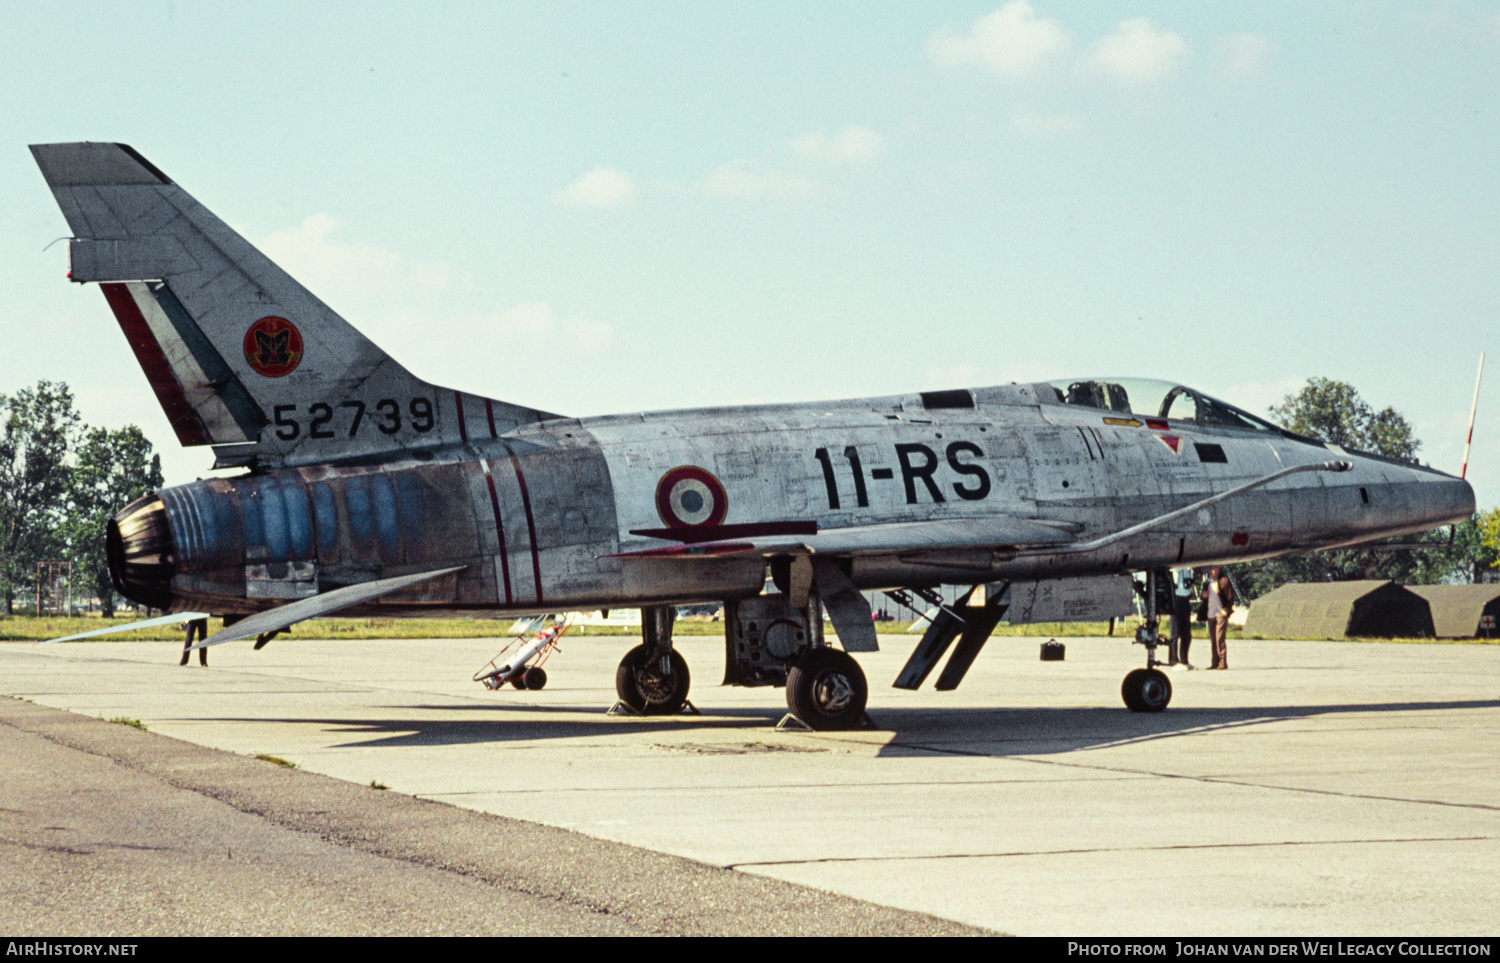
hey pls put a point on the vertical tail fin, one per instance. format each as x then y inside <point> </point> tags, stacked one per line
<point>237,351</point>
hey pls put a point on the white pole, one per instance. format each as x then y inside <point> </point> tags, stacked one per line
<point>1473,405</point>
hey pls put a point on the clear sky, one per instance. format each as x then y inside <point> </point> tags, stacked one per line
<point>621,206</point>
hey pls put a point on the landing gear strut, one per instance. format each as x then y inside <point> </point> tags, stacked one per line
<point>826,689</point>
<point>1149,689</point>
<point>653,678</point>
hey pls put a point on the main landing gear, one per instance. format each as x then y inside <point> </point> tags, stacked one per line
<point>653,678</point>
<point>826,689</point>
<point>1149,689</point>
<point>770,643</point>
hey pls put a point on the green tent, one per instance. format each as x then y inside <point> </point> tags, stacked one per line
<point>1336,610</point>
<point>1458,611</point>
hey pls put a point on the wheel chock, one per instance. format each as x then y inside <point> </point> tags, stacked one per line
<point>790,723</point>
<point>621,709</point>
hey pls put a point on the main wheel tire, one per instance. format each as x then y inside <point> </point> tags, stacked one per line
<point>535,677</point>
<point>641,685</point>
<point>827,690</point>
<point>1146,690</point>
<point>518,681</point>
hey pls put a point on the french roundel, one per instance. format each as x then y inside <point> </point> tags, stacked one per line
<point>689,497</point>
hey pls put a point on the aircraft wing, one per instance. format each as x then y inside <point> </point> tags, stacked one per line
<point>284,616</point>
<point>893,539</point>
<point>131,626</point>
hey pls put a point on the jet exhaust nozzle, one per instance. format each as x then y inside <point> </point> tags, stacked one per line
<point>138,544</point>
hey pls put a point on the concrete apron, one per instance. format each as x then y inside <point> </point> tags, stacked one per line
<point>1315,788</point>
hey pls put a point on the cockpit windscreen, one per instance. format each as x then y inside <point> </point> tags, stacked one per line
<point>1149,398</point>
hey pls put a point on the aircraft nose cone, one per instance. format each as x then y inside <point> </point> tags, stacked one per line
<point>1462,495</point>
<point>1446,500</point>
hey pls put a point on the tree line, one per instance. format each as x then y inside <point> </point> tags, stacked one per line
<point>60,481</point>
<point>1334,411</point>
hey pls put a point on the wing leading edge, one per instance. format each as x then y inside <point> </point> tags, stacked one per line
<point>891,539</point>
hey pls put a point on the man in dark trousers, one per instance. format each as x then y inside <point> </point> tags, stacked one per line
<point>1218,603</point>
<point>1182,616</point>
<point>198,627</point>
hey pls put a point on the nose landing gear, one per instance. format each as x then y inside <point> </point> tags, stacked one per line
<point>1149,689</point>
<point>1146,690</point>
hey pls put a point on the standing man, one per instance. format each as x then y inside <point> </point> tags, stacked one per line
<point>1218,603</point>
<point>1182,615</point>
<point>198,627</point>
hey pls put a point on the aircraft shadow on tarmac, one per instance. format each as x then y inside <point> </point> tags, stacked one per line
<point>918,731</point>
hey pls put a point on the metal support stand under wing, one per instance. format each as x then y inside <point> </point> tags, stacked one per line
<point>981,622</point>
<point>970,624</point>
<point>944,628</point>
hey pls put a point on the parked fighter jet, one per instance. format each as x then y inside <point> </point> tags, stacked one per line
<point>368,490</point>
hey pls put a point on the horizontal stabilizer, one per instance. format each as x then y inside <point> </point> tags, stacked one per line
<point>131,626</point>
<point>281,617</point>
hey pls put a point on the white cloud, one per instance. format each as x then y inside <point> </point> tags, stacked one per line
<point>420,310</point>
<point>539,322</point>
<point>1138,50</point>
<point>1012,41</point>
<point>1029,123</point>
<point>1257,397</point>
<point>498,333</point>
<point>338,270</point>
<point>967,374</point>
<point>850,145</point>
<point>1243,54</point>
<point>602,187</point>
<point>734,180</point>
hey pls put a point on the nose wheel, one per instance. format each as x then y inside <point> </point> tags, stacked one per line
<point>1146,690</point>
<point>826,689</point>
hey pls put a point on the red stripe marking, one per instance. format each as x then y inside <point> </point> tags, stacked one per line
<point>489,409</point>
<point>463,428</point>
<point>500,531</point>
<point>185,420</point>
<point>536,565</point>
<point>672,551</point>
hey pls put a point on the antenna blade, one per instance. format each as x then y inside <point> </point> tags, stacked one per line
<point>1473,406</point>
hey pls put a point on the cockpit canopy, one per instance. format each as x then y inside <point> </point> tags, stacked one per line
<point>1149,398</point>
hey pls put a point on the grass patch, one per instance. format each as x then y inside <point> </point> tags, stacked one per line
<point>277,761</point>
<point>377,784</point>
<point>25,628</point>
<point>127,721</point>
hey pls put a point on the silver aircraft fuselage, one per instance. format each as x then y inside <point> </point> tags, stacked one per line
<point>541,518</point>
<point>368,489</point>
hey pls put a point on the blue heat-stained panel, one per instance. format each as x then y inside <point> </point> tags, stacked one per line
<point>383,501</point>
<point>273,520</point>
<point>413,511</point>
<point>298,521</point>
<point>357,501</point>
<point>326,519</point>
